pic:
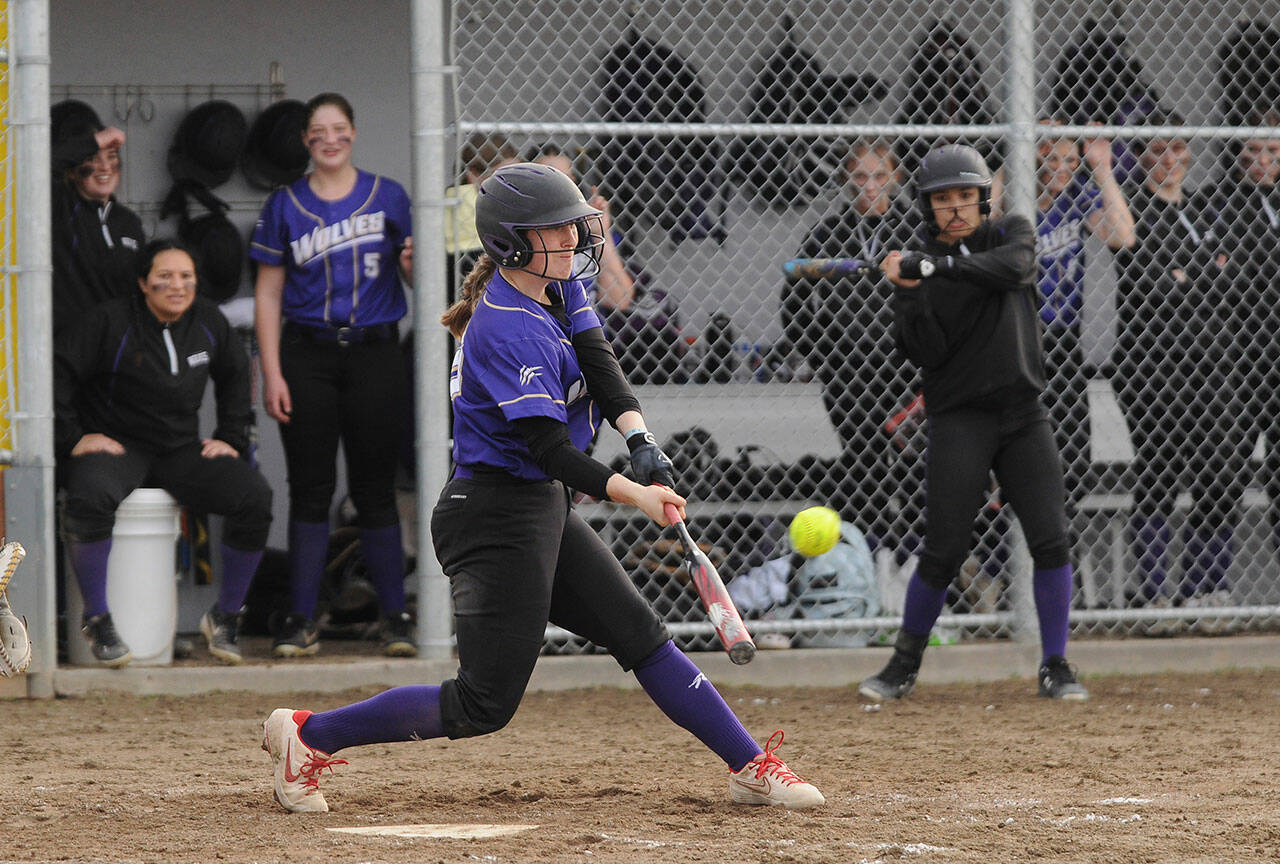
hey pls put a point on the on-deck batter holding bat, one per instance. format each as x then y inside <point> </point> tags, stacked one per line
<point>533,375</point>
<point>714,596</point>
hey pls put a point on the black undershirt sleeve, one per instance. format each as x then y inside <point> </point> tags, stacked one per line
<point>605,381</point>
<point>554,453</point>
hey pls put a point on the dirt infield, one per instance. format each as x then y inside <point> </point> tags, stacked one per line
<point>1170,768</point>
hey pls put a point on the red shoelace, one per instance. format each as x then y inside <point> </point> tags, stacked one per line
<point>311,769</point>
<point>768,763</point>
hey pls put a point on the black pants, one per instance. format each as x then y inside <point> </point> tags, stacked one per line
<point>517,557</point>
<point>1188,433</point>
<point>964,447</point>
<point>98,482</point>
<point>1068,398</point>
<point>353,394</point>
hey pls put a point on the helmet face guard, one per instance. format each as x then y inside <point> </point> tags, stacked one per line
<point>951,166</point>
<point>529,197</point>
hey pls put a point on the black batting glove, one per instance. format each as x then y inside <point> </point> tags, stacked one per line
<point>648,463</point>
<point>915,265</point>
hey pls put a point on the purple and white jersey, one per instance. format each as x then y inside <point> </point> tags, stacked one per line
<point>1060,234</point>
<point>516,360</point>
<point>341,258</point>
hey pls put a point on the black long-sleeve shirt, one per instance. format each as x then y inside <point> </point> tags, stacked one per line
<point>94,245</point>
<point>123,373</point>
<point>974,329</point>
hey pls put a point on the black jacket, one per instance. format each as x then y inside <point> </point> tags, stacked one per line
<point>1164,321</point>
<point>94,247</point>
<point>113,374</point>
<point>974,328</point>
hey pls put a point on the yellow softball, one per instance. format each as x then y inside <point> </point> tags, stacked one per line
<point>815,530</point>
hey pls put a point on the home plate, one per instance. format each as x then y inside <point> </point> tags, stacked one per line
<point>458,831</point>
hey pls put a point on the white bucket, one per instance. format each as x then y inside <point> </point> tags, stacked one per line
<point>142,586</point>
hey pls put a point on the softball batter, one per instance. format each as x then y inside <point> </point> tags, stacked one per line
<point>965,312</point>
<point>327,249</point>
<point>532,379</point>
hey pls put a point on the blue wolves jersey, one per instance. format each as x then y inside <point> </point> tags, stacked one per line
<point>341,258</point>
<point>516,360</point>
<point>1060,253</point>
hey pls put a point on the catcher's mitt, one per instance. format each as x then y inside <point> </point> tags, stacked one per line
<point>15,645</point>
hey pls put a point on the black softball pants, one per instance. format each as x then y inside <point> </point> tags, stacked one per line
<point>1068,398</point>
<point>353,394</point>
<point>230,487</point>
<point>517,557</point>
<point>964,446</point>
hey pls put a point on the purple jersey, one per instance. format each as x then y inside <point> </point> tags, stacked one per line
<point>341,258</point>
<point>516,360</point>
<point>1060,234</point>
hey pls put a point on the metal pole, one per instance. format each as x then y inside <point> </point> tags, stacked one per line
<point>431,345</point>
<point>31,479</point>
<point>1020,197</point>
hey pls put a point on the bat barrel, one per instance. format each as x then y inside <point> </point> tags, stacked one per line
<point>742,653</point>
<point>821,268</point>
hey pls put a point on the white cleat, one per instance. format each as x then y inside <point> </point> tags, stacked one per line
<point>767,780</point>
<point>298,767</point>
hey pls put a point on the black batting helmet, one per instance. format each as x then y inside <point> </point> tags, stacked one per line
<point>949,167</point>
<point>526,196</point>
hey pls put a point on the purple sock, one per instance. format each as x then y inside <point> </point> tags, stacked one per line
<point>922,606</point>
<point>308,550</point>
<point>384,556</point>
<point>686,696</point>
<point>1052,590</point>
<point>1151,541</point>
<point>239,566</point>
<point>89,560</point>
<point>410,713</point>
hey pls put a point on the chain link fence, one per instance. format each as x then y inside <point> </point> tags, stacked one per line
<point>730,137</point>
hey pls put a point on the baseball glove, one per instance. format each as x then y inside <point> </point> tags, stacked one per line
<point>15,645</point>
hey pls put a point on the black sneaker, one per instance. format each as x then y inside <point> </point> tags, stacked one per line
<point>108,647</point>
<point>894,681</point>
<point>221,629</point>
<point>397,636</point>
<point>1058,681</point>
<point>298,637</point>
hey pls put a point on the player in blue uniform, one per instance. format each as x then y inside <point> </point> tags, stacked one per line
<point>533,377</point>
<point>1068,207</point>
<point>331,249</point>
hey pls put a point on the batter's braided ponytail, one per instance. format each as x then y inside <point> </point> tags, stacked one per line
<point>457,315</point>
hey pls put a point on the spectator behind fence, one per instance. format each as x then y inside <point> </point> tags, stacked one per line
<point>964,306</point>
<point>642,322</point>
<point>331,250</point>
<point>129,381</point>
<point>1247,208</point>
<point>481,155</point>
<point>1173,377</point>
<point>843,329</point>
<point>1068,206</point>
<point>95,238</point>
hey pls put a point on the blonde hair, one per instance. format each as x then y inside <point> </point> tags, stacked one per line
<point>459,314</point>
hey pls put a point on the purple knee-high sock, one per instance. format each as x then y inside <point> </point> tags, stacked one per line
<point>922,607</point>
<point>89,560</point>
<point>1052,590</point>
<point>1151,539</point>
<point>384,556</point>
<point>239,566</point>
<point>686,696</point>
<point>410,713</point>
<point>308,550</point>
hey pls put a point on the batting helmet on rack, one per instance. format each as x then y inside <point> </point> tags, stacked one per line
<point>528,196</point>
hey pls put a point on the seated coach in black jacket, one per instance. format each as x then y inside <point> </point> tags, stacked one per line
<point>128,382</point>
